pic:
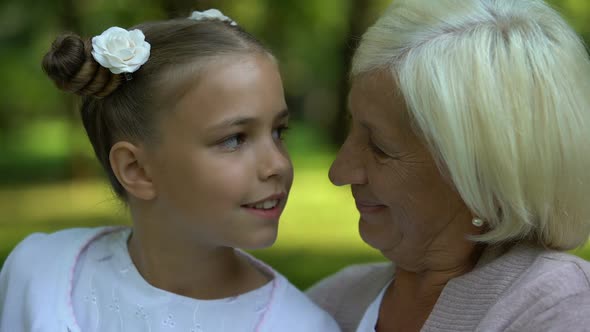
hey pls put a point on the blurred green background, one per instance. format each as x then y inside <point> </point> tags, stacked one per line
<point>49,179</point>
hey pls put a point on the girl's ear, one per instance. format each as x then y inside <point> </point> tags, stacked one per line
<point>128,163</point>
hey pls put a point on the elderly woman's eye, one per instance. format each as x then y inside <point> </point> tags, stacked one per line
<point>377,150</point>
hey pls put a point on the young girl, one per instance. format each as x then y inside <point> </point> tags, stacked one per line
<point>186,116</point>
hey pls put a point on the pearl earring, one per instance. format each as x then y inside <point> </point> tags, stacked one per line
<point>477,222</point>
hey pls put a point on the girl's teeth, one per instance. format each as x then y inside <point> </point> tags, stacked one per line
<point>267,204</point>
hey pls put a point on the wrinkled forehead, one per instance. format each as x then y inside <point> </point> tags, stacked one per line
<point>376,100</point>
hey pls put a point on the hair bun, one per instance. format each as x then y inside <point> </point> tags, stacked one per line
<point>71,66</point>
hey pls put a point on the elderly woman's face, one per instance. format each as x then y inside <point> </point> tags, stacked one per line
<point>407,209</point>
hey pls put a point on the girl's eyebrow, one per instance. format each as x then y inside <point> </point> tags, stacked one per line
<point>233,122</point>
<point>244,120</point>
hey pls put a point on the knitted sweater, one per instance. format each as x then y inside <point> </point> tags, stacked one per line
<point>522,289</point>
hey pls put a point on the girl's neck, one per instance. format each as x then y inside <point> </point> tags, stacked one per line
<point>196,272</point>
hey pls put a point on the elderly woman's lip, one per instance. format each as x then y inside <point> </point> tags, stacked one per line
<point>365,207</point>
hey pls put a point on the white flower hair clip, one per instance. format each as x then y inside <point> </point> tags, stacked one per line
<point>120,50</point>
<point>211,14</point>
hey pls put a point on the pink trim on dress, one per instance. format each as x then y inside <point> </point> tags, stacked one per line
<point>85,246</point>
<point>274,281</point>
<point>270,303</point>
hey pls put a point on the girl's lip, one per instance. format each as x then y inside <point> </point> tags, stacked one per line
<point>277,196</point>
<point>270,214</point>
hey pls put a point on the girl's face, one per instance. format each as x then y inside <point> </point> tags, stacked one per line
<point>221,171</point>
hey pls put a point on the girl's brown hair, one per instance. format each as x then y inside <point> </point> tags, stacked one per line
<point>114,108</point>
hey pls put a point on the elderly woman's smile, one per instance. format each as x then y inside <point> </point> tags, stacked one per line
<point>366,203</point>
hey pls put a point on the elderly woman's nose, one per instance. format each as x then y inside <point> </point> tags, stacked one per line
<point>347,168</point>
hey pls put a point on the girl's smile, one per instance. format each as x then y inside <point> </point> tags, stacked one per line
<point>269,208</point>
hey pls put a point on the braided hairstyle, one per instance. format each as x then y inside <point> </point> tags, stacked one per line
<point>115,109</point>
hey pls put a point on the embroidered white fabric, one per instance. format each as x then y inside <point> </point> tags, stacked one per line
<point>109,294</point>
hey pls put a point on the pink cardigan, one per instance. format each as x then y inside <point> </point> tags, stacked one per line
<point>522,289</point>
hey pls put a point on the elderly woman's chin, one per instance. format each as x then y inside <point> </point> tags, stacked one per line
<point>378,235</point>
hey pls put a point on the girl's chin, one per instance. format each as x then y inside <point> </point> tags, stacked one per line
<point>261,240</point>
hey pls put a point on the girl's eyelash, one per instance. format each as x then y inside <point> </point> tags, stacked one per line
<point>282,129</point>
<point>234,142</point>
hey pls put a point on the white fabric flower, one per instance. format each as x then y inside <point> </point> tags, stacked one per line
<point>120,50</point>
<point>211,14</point>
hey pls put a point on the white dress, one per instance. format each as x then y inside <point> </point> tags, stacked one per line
<point>111,295</point>
<point>82,279</point>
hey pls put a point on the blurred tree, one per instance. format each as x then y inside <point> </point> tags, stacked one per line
<point>69,19</point>
<point>180,8</point>
<point>356,25</point>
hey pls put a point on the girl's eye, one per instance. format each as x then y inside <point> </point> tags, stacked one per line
<point>234,142</point>
<point>279,133</point>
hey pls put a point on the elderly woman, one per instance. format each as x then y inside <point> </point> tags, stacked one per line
<point>469,161</point>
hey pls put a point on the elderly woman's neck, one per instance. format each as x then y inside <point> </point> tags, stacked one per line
<point>410,298</point>
<point>428,283</point>
<point>438,270</point>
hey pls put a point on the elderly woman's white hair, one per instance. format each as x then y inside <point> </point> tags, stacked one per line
<point>500,91</point>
